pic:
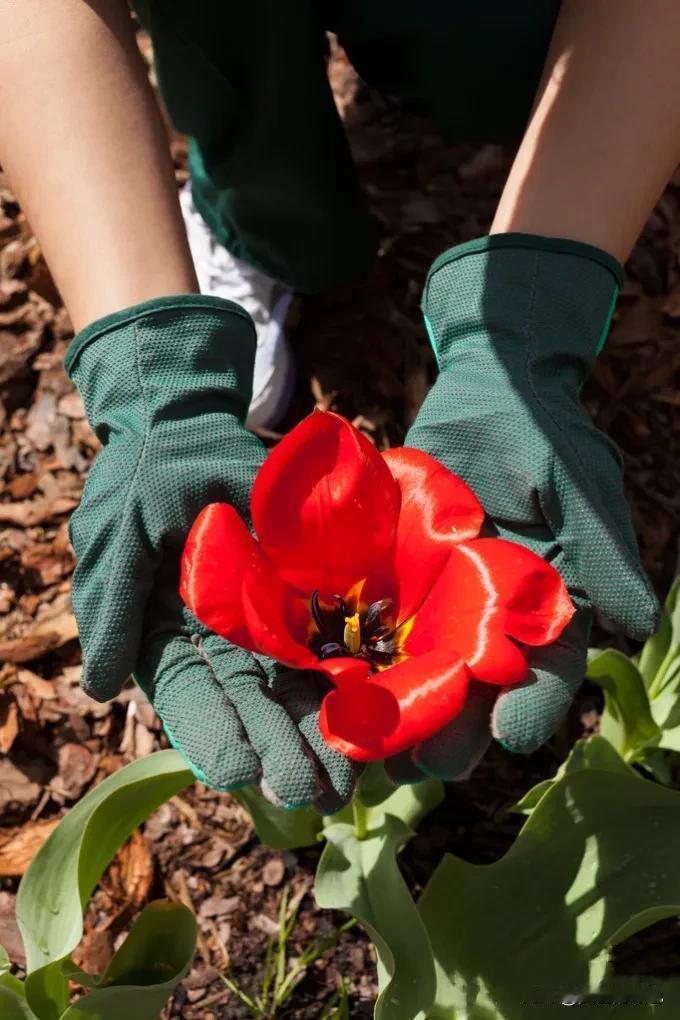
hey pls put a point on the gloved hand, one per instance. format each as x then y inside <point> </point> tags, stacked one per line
<point>166,387</point>
<point>516,322</point>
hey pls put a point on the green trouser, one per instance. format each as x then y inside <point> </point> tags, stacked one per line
<point>271,169</point>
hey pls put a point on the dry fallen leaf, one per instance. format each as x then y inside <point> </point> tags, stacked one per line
<point>10,938</point>
<point>20,782</point>
<point>9,721</point>
<point>18,846</point>
<point>77,768</point>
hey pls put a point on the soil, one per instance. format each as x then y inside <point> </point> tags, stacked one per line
<point>362,351</point>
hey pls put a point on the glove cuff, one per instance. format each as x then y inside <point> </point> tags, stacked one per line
<point>552,294</point>
<point>164,350</point>
<point>181,304</point>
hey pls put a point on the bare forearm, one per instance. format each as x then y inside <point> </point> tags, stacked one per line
<point>604,136</point>
<point>84,146</point>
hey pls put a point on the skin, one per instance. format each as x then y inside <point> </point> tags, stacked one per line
<point>604,135</point>
<point>83,143</point>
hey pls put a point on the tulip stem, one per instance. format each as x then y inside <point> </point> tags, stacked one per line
<point>360,818</point>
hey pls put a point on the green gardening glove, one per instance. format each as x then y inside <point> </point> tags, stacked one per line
<point>166,386</point>
<point>516,322</point>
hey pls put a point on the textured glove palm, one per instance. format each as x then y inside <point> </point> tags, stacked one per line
<point>516,322</point>
<point>166,387</point>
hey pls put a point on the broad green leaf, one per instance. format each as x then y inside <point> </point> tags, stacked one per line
<point>668,670</point>
<point>657,762</point>
<point>588,753</point>
<point>595,862</point>
<point>673,608</point>
<point>13,1005</point>
<point>62,875</point>
<point>626,698</point>
<point>410,803</point>
<point>655,649</point>
<point>362,877</point>
<point>374,785</point>
<point>148,966</point>
<point>278,827</point>
<point>666,712</point>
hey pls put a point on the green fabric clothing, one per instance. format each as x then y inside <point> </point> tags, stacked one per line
<point>166,386</point>
<point>271,170</point>
<point>516,322</point>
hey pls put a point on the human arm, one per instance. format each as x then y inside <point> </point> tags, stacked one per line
<point>517,325</point>
<point>165,375</point>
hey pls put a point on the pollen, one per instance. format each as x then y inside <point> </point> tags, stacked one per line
<point>352,633</point>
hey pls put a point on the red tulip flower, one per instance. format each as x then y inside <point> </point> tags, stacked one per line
<point>368,568</point>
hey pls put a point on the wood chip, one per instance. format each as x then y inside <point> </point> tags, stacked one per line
<point>219,906</point>
<point>9,721</point>
<point>273,871</point>
<point>20,845</point>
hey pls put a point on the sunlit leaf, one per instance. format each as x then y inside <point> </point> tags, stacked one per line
<point>626,699</point>
<point>362,878</point>
<point>278,827</point>
<point>151,962</point>
<point>589,753</point>
<point>62,875</point>
<point>595,862</point>
<point>655,649</point>
<point>410,803</point>
<point>13,1005</point>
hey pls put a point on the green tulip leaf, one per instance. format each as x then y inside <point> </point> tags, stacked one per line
<point>667,640</point>
<point>4,962</point>
<point>595,862</point>
<point>280,828</point>
<point>361,876</point>
<point>64,872</point>
<point>655,649</point>
<point>588,753</point>
<point>148,966</point>
<point>409,803</point>
<point>374,785</point>
<point>626,702</point>
<point>13,1005</point>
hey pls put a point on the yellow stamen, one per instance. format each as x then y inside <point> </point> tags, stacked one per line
<point>352,633</point>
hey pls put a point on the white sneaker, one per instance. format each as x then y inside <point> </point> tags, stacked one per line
<point>267,301</point>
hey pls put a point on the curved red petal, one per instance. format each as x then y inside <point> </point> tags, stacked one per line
<point>276,618</point>
<point>437,510</point>
<point>345,671</point>
<point>396,708</point>
<point>218,553</point>
<point>489,592</point>
<point>324,505</point>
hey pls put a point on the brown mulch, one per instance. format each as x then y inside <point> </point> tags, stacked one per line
<point>363,352</point>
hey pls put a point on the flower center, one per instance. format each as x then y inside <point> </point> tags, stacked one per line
<point>348,630</point>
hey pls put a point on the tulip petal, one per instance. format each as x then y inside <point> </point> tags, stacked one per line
<point>276,618</point>
<point>396,708</point>
<point>489,592</point>
<point>325,505</point>
<point>437,510</point>
<point>218,553</point>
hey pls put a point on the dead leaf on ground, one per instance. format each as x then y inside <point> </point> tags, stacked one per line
<point>10,936</point>
<point>9,721</point>
<point>44,637</point>
<point>77,768</point>
<point>21,782</point>
<point>19,846</point>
